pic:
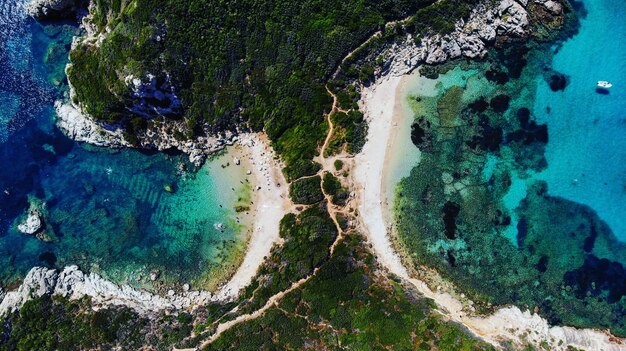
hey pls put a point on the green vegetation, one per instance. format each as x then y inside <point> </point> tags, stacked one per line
<point>350,130</point>
<point>58,324</point>
<point>332,186</point>
<point>306,191</point>
<point>55,323</point>
<point>338,165</point>
<point>264,63</point>
<point>349,305</point>
<point>307,238</point>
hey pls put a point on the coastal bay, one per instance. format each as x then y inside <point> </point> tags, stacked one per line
<point>421,221</point>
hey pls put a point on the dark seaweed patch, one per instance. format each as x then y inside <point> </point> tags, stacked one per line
<point>522,231</point>
<point>530,131</point>
<point>479,105</point>
<point>523,116</point>
<point>557,82</point>
<point>514,59</point>
<point>542,265</point>
<point>591,239</point>
<point>489,138</point>
<point>49,258</point>
<point>598,275</point>
<point>451,259</point>
<point>500,103</point>
<point>450,212</point>
<point>497,76</point>
<point>418,134</point>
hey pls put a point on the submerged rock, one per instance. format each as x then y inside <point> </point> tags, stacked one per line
<point>557,82</point>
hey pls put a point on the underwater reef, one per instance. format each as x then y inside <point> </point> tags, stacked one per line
<point>479,140</point>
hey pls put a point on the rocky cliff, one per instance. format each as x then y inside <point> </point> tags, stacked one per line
<point>489,21</point>
<point>51,9</point>
<point>72,283</point>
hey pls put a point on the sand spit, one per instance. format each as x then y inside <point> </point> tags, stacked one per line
<point>508,324</point>
<point>271,203</point>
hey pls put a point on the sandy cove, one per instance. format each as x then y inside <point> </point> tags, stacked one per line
<point>381,105</point>
<point>271,203</point>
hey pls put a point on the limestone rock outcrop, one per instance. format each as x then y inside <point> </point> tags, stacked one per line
<point>49,9</point>
<point>81,127</point>
<point>31,224</point>
<point>73,283</point>
<point>470,38</point>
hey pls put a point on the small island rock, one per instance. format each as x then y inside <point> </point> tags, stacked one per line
<point>32,224</point>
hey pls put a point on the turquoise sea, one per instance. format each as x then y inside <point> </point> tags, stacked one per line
<point>587,150</point>
<point>105,210</point>
<point>519,195</point>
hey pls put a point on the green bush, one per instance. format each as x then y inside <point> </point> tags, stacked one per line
<point>332,186</point>
<point>232,61</point>
<point>306,191</point>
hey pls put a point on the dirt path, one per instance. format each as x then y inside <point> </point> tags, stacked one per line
<point>327,165</point>
<point>272,301</point>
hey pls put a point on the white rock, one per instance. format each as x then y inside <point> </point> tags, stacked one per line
<point>41,9</point>
<point>469,38</point>
<point>80,127</point>
<point>554,7</point>
<point>38,282</point>
<point>31,224</point>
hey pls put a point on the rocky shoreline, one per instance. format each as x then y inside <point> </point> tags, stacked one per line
<point>469,39</point>
<point>489,23</point>
<point>51,9</point>
<point>159,135</point>
<point>73,283</point>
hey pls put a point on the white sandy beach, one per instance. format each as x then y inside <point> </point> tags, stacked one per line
<point>378,103</point>
<point>271,203</point>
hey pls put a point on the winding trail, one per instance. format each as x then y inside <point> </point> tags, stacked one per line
<point>327,165</point>
<point>272,301</point>
<point>508,324</point>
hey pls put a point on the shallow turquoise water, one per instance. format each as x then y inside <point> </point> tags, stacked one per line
<point>105,210</point>
<point>524,202</point>
<point>587,150</point>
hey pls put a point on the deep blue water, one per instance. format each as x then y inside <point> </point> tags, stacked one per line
<point>587,150</point>
<point>105,210</point>
<point>586,155</point>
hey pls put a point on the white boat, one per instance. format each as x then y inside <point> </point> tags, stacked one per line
<point>604,84</point>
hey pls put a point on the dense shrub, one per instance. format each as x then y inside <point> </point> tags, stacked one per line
<point>233,61</point>
<point>333,187</point>
<point>306,191</point>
